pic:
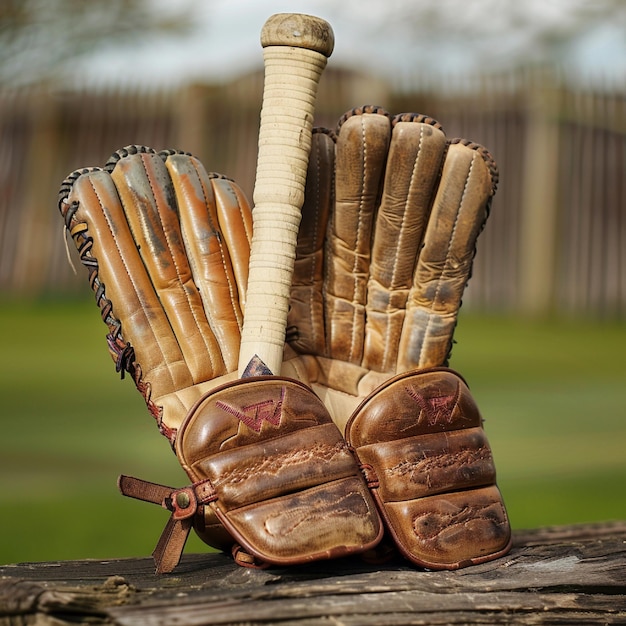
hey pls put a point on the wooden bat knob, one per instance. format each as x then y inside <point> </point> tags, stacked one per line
<point>300,31</point>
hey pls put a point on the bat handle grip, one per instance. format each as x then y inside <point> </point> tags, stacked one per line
<point>295,51</point>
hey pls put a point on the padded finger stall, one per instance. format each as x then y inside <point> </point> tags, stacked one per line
<point>403,212</point>
<point>149,227</point>
<point>362,146</point>
<point>305,321</point>
<point>412,172</point>
<point>459,212</point>
<point>431,470</point>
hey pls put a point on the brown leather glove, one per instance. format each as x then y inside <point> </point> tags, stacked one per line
<point>391,217</point>
<point>167,246</point>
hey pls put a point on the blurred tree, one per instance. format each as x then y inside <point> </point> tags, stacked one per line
<point>493,32</point>
<point>38,38</point>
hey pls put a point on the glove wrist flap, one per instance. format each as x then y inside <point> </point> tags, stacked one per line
<point>270,470</point>
<point>430,469</point>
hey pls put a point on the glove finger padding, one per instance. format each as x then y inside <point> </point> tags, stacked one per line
<point>305,322</point>
<point>149,228</point>
<point>392,238</point>
<point>399,219</point>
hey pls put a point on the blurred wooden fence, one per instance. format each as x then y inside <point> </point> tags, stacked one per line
<point>556,240</point>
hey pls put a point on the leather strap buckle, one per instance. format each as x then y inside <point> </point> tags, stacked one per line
<point>183,503</point>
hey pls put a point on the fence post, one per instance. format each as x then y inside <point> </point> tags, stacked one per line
<point>34,238</point>
<point>192,120</point>
<point>539,203</point>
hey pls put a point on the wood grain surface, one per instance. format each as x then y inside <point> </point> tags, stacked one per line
<point>557,575</point>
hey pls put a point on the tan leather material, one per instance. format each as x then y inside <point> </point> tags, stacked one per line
<point>459,213</point>
<point>235,227</point>
<point>431,469</point>
<point>168,279</point>
<point>148,196</point>
<point>210,259</point>
<point>452,530</point>
<point>288,488</point>
<point>362,147</point>
<point>280,465</point>
<point>406,208</point>
<point>307,291</point>
<point>415,467</point>
<point>415,404</point>
<point>128,285</point>
<point>405,213</point>
<point>412,171</point>
<point>327,521</point>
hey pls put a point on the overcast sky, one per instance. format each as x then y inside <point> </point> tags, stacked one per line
<point>369,34</point>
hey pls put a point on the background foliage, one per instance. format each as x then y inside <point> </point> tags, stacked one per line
<point>40,39</point>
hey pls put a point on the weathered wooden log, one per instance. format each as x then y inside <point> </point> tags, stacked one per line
<point>558,575</point>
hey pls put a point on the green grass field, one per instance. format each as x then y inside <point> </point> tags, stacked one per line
<point>552,393</point>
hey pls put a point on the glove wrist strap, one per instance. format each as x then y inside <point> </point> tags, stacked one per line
<point>184,504</point>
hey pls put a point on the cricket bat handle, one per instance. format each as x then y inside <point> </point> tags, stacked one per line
<point>295,51</point>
